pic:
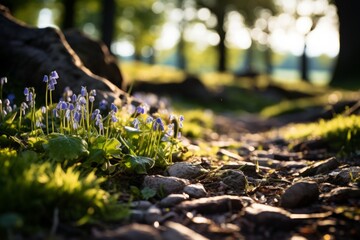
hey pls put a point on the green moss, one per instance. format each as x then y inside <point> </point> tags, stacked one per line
<point>34,191</point>
<point>341,132</point>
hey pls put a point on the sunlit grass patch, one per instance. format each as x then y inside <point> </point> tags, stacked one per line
<point>136,71</point>
<point>341,132</point>
<point>34,192</point>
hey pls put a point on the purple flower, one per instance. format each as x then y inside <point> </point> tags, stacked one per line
<point>96,112</point>
<point>103,104</point>
<point>55,113</point>
<point>114,118</point>
<point>181,118</point>
<point>113,108</point>
<point>140,110</point>
<point>67,114</point>
<point>71,106</point>
<point>149,120</point>
<point>136,123</point>
<point>91,99</point>
<point>73,98</point>
<point>7,102</point>
<point>77,116</point>
<point>63,105</point>
<point>26,91</point>
<point>54,75</point>
<point>158,125</point>
<point>82,100</point>
<point>45,79</point>
<point>83,91</point>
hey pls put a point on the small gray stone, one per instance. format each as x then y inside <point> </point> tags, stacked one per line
<point>235,180</point>
<point>300,194</point>
<point>173,199</point>
<point>342,194</point>
<point>345,176</point>
<point>185,170</point>
<point>153,214</point>
<point>320,167</point>
<point>130,232</point>
<point>137,215</point>
<point>195,190</point>
<point>142,205</point>
<point>218,204</point>
<point>177,231</point>
<point>165,185</point>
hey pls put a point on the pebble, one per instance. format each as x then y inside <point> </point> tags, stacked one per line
<point>165,185</point>
<point>173,199</point>
<point>153,214</point>
<point>320,167</point>
<point>235,180</point>
<point>141,205</point>
<point>217,204</point>
<point>186,170</point>
<point>133,231</point>
<point>195,190</point>
<point>342,194</point>
<point>345,176</point>
<point>300,194</point>
<point>177,231</point>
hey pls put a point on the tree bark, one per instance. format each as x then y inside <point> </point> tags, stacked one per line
<point>69,14</point>
<point>222,54</point>
<point>304,69</point>
<point>347,70</point>
<point>108,22</point>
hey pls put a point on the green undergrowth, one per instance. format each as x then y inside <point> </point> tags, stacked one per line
<point>342,133</point>
<point>57,161</point>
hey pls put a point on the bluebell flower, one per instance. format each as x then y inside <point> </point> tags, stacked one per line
<point>43,109</point>
<point>75,125</point>
<point>38,124</point>
<point>113,108</point>
<point>181,118</point>
<point>54,75</point>
<point>114,118</point>
<point>136,123</point>
<point>71,106</point>
<point>63,106</point>
<point>3,80</point>
<point>140,110</point>
<point>91,99</point>
<point>51,86</point>
<point>55,112</point>
<point>26,91</point>
<point>149,119</point>
<point>23,107</point>
<point>103,104</point>
<point>7,102</point>
<point>101,126</point>
<point>73,98</point>
<point>83,91</point>
<point>77,116</point>
<point>45,79</point>
<point>158,125</point>
<point>95,112</point>
<point>82,100</point>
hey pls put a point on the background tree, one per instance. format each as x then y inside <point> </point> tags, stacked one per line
<point>220,9</point>
<point>347,70</point>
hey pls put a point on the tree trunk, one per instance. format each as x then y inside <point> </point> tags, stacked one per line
<point>222,54</point>
<point>108,22</point>
<point>304,71</point>
<point>347,70</point>
<point>69,14</point>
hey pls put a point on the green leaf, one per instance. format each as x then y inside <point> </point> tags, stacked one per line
<point>101,149</point>
<point>138,164</point>
<point>132,130</point>
<point>148,193</point>
<point>62,147</point>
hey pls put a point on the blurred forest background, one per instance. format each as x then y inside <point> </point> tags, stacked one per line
<point>289,40</point>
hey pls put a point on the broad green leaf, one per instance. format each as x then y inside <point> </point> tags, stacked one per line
<point>148,193</point>
<point>102,149</point>
<point>62,147</point>
<point>138,164</point>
